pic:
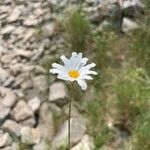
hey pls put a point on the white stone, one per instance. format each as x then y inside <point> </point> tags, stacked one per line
<point>17,68</point>
<point>130,3</point>
<point>12,127</point>
<point>31,122</point>
<point>30,135</point>
<point>46,124</point>
<point>48,29</point>
<point>78,130</point>
<point>57,91</point>
<point>22,111</point>
<point>86,143</point>
<point>10,99</point>
<point>34,103</point>
<point>3,75</point>
<point>4,111</point>
<point>40,83</point>
<point>30,21</point>
<point>7,29</point>
<point>5,140</point>
<point>14,15</point>
<point>24,53</point>
<point>128,25</point>
<point>7,58</point>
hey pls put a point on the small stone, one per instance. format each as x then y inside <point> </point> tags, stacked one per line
<point>40,83</point>
<point>10,99</point>
<point>6,59</point>
<point>46,123</point>
<point>31,122</point>
<point>48,29</point>
<point>3,75</point>
<point>9,81</point>
<point>78,130</point>
<point>22,111</point>
<point>28,35</point>
<point>5,140</point>
<point>85,144</point>
<point>30,21</point>
<point>130,3</point>
<point>27,84</point>
<point>4,111</point>
<point>30,135</point>
<point>14,15</point>
<point>34,104</point>
<point>7,29</point>
<point>12,127</point>
<point>128,25</point>
<point>40,146</point>
<point>24,53</point>
<point>58,92</point>
<point>17,68</point>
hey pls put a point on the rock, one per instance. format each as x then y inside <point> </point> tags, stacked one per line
<point>10,99</point>
<point>12,127</point>
<point>3,75</point>
<point>5,140</point>
<point>30,21</point>
<point>14,146</point>
<point>34,104</point>
<point>86,143</point>
<point>78,129</point>
<point>22,111</point>
<point>14,15</point>
<point>31,122</point>
<point>27,84</point>
<point>128,25</point>
<point>48,29</point>
<point>46,123</point>
<point>40,146</point>
<point>7,29</point>
<point>4,112</point>
<point>24,53</point>
<point>40,83</point>
<point>59,3</point>
<point>30,135</point>
<point>29,35</point>
<point>9,81</point>
<point>130,3</point>
<point>6,59</point>
<point>58,93</point>
<point>16,69</point>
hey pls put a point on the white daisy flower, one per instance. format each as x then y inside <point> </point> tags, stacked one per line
<point>74,69</point>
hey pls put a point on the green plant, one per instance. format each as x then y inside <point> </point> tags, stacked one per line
<point>78,29</point>
<point>141,135</point>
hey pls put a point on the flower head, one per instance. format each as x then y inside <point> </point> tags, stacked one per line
<point>74,69</point>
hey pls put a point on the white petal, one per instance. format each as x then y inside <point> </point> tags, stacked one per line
<point>58,66</point>
<point>63,77</point>
<point>87,67</point>
<point>55,71</point>
<point>66,62</point>
<point>82,63</point>
<point>82,84</point>
<point>72,60</point>
<point>88,72</point>
<point>87,77</point>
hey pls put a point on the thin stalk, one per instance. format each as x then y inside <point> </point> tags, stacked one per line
<point>69,116</point>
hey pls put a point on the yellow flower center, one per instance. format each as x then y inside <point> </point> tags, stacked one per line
<point>74,73</point>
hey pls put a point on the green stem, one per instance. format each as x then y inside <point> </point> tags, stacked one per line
<point>70,100</point>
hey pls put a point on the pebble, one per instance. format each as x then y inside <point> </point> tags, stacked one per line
<point>12,127</point>
<point>30,135</point>
<point>22,111</point>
